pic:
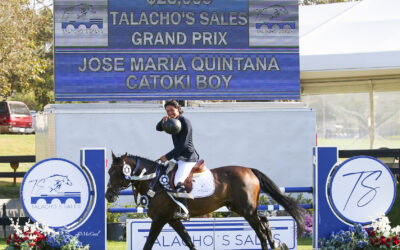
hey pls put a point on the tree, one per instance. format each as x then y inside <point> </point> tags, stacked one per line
<point>25,49</point>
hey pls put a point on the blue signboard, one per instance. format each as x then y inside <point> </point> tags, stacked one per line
<point>60,194</point>
<point>357,191</point>
<point>93,229</point>
<point>186,49</point>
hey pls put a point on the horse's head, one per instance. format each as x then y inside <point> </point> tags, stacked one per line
<point>66,180</point>
<point>117,180</point>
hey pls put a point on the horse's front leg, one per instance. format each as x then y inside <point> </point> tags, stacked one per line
<point>155,229</point>
<point>181,230</point>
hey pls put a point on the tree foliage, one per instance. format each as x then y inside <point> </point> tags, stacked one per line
<point>25,50</point>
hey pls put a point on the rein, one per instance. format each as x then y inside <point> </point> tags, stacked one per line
<point>130,175</point>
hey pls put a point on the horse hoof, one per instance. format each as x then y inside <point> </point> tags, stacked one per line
<point>282,246</point>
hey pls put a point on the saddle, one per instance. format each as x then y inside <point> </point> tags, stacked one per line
<point>188,183</point>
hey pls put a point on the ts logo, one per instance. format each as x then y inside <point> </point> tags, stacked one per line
<point>361,189</point>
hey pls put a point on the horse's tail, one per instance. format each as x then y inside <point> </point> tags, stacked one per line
<point>290,205</point>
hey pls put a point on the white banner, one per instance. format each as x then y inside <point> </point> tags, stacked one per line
<point>212,233</point>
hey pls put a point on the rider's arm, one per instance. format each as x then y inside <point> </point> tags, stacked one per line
<point>183,139</point>
<point>159,126</point>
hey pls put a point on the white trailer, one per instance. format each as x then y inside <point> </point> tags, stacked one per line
<point>276,138</point>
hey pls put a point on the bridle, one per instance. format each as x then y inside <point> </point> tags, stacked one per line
<point>141,177</point>
<point>130,175</point>
<point>115,191</point>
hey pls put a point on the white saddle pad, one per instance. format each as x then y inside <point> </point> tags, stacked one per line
<point>203,184</point>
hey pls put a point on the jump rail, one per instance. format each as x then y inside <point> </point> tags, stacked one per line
<point>223,209</point>
<point>283,189</point>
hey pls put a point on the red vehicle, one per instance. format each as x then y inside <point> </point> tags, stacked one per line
<point>15,117</point>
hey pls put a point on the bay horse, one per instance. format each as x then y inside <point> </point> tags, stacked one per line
<point>236,187</point>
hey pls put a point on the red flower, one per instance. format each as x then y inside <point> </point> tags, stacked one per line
<point>383,237</point>
<point>383,241</point>
<point>373,233</point>
<point>387,244</point>
<point>26,233</point>
<point>372,241</point>
<point>394,237</point>
<point>25,238</point>
<point>394,243</point>
<point>376,240</point>
<point>8,241</point>
<point>388,239</point>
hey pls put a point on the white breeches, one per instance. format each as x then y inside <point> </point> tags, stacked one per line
<point>183,171</point>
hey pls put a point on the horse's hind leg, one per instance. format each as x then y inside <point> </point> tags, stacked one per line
<point>181,230</point>
<point>250,214</point>
<point>267,231</point>
<point>258,227</point>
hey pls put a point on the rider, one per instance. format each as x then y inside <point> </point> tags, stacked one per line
<point>183,152</point>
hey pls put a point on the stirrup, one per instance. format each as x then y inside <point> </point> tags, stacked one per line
<point>181,192</point>
<point>180,188</point>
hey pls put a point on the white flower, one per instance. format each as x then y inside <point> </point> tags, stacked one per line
<point>396,230</point>
<point>382,225</point>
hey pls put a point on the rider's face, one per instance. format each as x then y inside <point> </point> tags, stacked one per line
<point>172,112</point>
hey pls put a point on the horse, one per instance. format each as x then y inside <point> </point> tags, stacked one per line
<point>51,184</point>
<point>236,187</point>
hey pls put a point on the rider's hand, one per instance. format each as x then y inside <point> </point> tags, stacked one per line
<point>165,118</point>
<point>163,158</point>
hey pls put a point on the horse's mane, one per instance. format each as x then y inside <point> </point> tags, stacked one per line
<point>142,160</point>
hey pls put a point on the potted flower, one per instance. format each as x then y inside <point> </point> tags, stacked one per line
<point>378,235</point>
<point>40,236</point>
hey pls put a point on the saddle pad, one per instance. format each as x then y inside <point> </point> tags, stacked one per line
<point>203,184</point>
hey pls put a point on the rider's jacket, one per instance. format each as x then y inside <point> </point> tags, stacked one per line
<point>183,142</point>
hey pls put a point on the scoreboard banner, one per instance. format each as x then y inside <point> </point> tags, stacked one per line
<point>184,49</point>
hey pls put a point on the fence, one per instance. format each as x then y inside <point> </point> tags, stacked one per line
<point>386,155</point>
<point>14,164</point>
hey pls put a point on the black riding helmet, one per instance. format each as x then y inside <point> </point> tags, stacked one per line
<point>172,126</point>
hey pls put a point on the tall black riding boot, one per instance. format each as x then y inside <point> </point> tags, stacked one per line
<point>181,214</point>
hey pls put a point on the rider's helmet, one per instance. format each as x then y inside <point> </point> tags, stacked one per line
<point>172,126</point>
